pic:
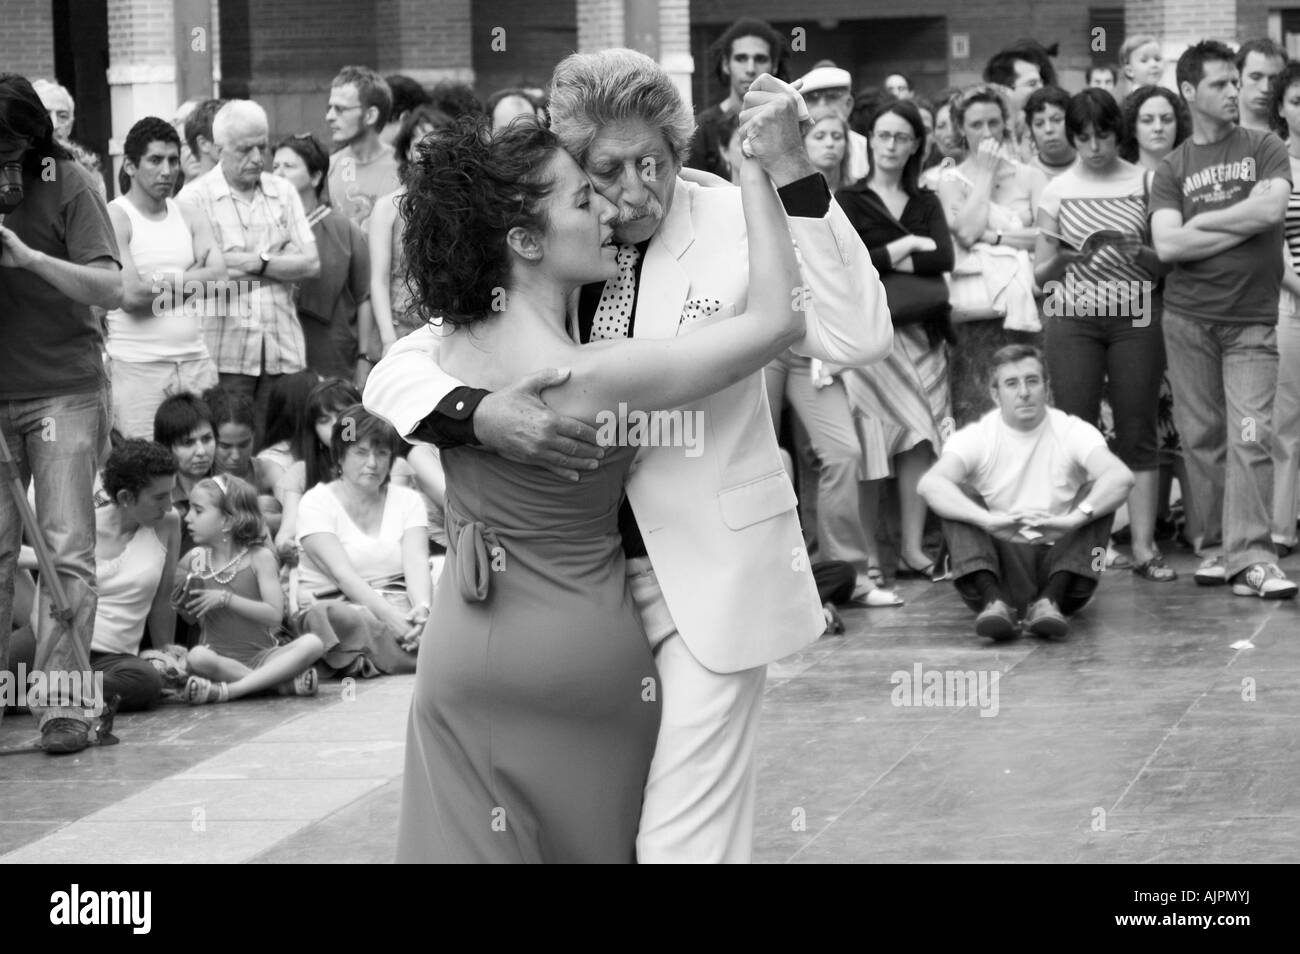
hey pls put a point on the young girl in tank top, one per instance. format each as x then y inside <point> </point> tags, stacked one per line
<point>230,583</point>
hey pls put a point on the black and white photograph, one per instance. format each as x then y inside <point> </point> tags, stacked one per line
<point>650,431</point>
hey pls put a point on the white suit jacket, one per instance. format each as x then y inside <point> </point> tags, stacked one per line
<point>720,528</point>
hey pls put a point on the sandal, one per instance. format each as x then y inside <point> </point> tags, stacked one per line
<point>1155,570</point>
<point>303,684</point>
<point>200,691</point>
<point>906,571</point>
<point>1116,560</point>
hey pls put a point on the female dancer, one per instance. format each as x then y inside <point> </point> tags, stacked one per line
<point>536,704</point>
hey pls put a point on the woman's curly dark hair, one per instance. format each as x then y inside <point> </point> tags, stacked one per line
<point>465,191</point>
<point>1128,145</point>
<point>1290,76</point>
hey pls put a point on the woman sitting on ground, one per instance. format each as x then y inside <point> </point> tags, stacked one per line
<point>285,409</point>
<point>313,458</point>
<point>364,561</point>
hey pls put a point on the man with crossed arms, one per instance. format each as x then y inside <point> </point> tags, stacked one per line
<point>715,555</point>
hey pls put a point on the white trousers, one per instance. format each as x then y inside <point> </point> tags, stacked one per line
<point>700,796</point>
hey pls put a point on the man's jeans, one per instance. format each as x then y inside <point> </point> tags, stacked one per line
<point>1023,569</point>
<point>55,442</point>
<point>1224,377</point>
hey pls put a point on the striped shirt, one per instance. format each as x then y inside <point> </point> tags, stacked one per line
<point>254,328</point>
<point>1082,206</point>
<point>1293,212</point>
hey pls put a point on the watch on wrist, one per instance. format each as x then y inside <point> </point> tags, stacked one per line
<point>265,256</point>
<point>1086,510</point>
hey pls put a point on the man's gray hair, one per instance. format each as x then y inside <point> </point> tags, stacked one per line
<point>44,86</point>
<point>591,90</point>
<point>236,113</point>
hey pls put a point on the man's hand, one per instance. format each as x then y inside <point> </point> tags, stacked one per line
<point>770,125</point>
<point>246,262</point>
<point>516,424</point>
<point>997,522</point>
<point>1048,524</point>
<point>14,253</point>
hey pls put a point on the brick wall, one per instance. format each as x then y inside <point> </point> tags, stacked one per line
<point>141,31</point>
<point>674,26</point>
<point>432,35</point>
<point>310,38</point>
<point>600,24</point>
<point>27,41</point>
<point>536,37</point>
<point>1187,21</point>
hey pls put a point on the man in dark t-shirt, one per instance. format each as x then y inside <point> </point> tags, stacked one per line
<point>1218,203</point>
<point>745,51</point>
<point>58,257</point>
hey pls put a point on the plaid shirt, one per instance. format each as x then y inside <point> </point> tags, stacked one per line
<point>261,315</point>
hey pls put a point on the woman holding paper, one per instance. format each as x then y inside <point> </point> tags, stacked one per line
<point>1098,272</point>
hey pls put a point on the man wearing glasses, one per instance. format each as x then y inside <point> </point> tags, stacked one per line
<point>364,167</point>
<point>826,91</point>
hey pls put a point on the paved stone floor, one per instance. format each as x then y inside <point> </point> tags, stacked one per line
<point>1164,729</point>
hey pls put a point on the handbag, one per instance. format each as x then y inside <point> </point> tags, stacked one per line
<point>915,299</point>
<point>995,282</point>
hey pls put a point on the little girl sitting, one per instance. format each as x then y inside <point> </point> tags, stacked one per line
<point>230,583</point>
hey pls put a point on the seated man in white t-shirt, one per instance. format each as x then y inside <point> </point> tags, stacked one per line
<point>1027,494</point>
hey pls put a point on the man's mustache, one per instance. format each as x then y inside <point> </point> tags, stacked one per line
<point>650,209</point>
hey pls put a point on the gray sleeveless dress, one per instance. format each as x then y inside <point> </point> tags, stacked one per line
<point>536,702</point>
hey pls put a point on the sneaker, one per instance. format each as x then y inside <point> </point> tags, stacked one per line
<point>1046,619</point>
<point>1212,572</point>
<point>1264,580</point>
<point>996,622</point>
<point>64,736</point>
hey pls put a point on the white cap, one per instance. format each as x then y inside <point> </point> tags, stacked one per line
<point>826,77</point>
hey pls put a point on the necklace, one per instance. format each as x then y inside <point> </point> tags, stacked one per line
<point>232,566</point>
